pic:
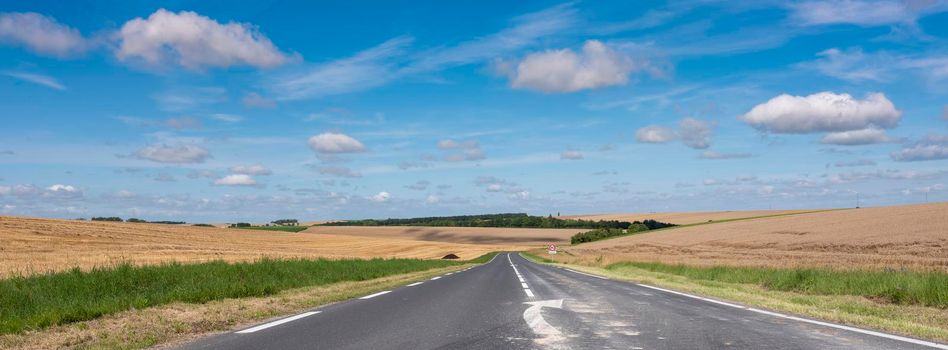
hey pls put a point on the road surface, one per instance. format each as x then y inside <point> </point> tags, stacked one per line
<point>512,303</point>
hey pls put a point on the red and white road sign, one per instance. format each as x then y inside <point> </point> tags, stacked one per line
<point>552,248</point>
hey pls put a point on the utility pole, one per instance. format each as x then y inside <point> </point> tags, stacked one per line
<point>857,200</point>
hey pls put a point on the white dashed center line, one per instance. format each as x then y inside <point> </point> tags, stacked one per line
<point>414,284</point>
<point>526,288</point>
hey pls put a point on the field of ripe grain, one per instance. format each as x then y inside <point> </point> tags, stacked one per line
<point>469,235</point>
<point>911,237</point>
<point>685,218</point>
<point>32,245</point>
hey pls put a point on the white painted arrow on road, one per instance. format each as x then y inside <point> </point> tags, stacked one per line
<point>535,319</point>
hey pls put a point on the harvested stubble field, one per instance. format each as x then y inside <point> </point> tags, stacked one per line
<point>685,218</point>
<point>913,237</point>
<point>30,246</point>
<point>531,237</point>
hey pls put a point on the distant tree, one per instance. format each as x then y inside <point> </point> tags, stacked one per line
<point>203,225</point>
<point>109,218</point>
<point>135,220</point>
<point>240,224</point>
<point>286,222</point>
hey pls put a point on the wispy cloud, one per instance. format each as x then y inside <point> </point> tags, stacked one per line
<point>393,59</point>
<point>38,79</point>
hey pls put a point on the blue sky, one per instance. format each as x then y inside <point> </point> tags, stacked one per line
<point>207,112</point>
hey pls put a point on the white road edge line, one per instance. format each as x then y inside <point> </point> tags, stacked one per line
<point>414,284</point>
<point>277,322</point>
<point>435,277</point>
<point>529,293</point>
<point>370,296</point>
<point>800,319</point>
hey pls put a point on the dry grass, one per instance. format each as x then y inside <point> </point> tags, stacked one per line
<point>471,235</point>
<point>684,218</point>
<point>31,246</point>
<point>901,237</point>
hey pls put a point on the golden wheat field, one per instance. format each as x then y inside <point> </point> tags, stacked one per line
<point>910,237</point>
<point>472,235</point>
<point>31,246</point>
<point>685,218</point>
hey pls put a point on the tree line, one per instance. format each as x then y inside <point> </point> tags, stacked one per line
<point>134,220</point>
<point>520,220</point>
<point>603,233</point>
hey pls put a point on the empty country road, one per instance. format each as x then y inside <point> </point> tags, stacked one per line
<point>513,303</point>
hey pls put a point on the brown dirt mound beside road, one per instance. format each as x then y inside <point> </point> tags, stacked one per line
<point>912,237</point>
<point>31,245</point>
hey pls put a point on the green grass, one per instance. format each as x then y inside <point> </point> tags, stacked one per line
<point>901,288</point>
<point>537,258</point>
<point>276,228</point>
<point>37,302</point>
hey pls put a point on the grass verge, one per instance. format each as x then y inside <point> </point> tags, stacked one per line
<point>844,297</point>
<point>902,288</point>
<point>179,322</point>
<point>38,302</point>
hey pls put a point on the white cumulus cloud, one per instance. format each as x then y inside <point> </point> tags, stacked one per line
<point>931,148</point>
<point>566,70</point>
<point>338,171</point>
<point>695,133</point>
<point>691,132</point>
<point>173,154</point>
<point>856,137</point>
<point>470,150</point>
<point>654,134</point>
<point>236,180</point>
<point>822,112</point>
<point>332,143</point>
<point>381,197</point>
<point>194,42</point>
<point>61,188</point>
<point>571,155</point>
<point>255,169</point>
<point>41,34</point>
<point>712,155</point>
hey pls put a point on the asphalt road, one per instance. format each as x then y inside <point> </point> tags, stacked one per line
<point>512,303</point>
